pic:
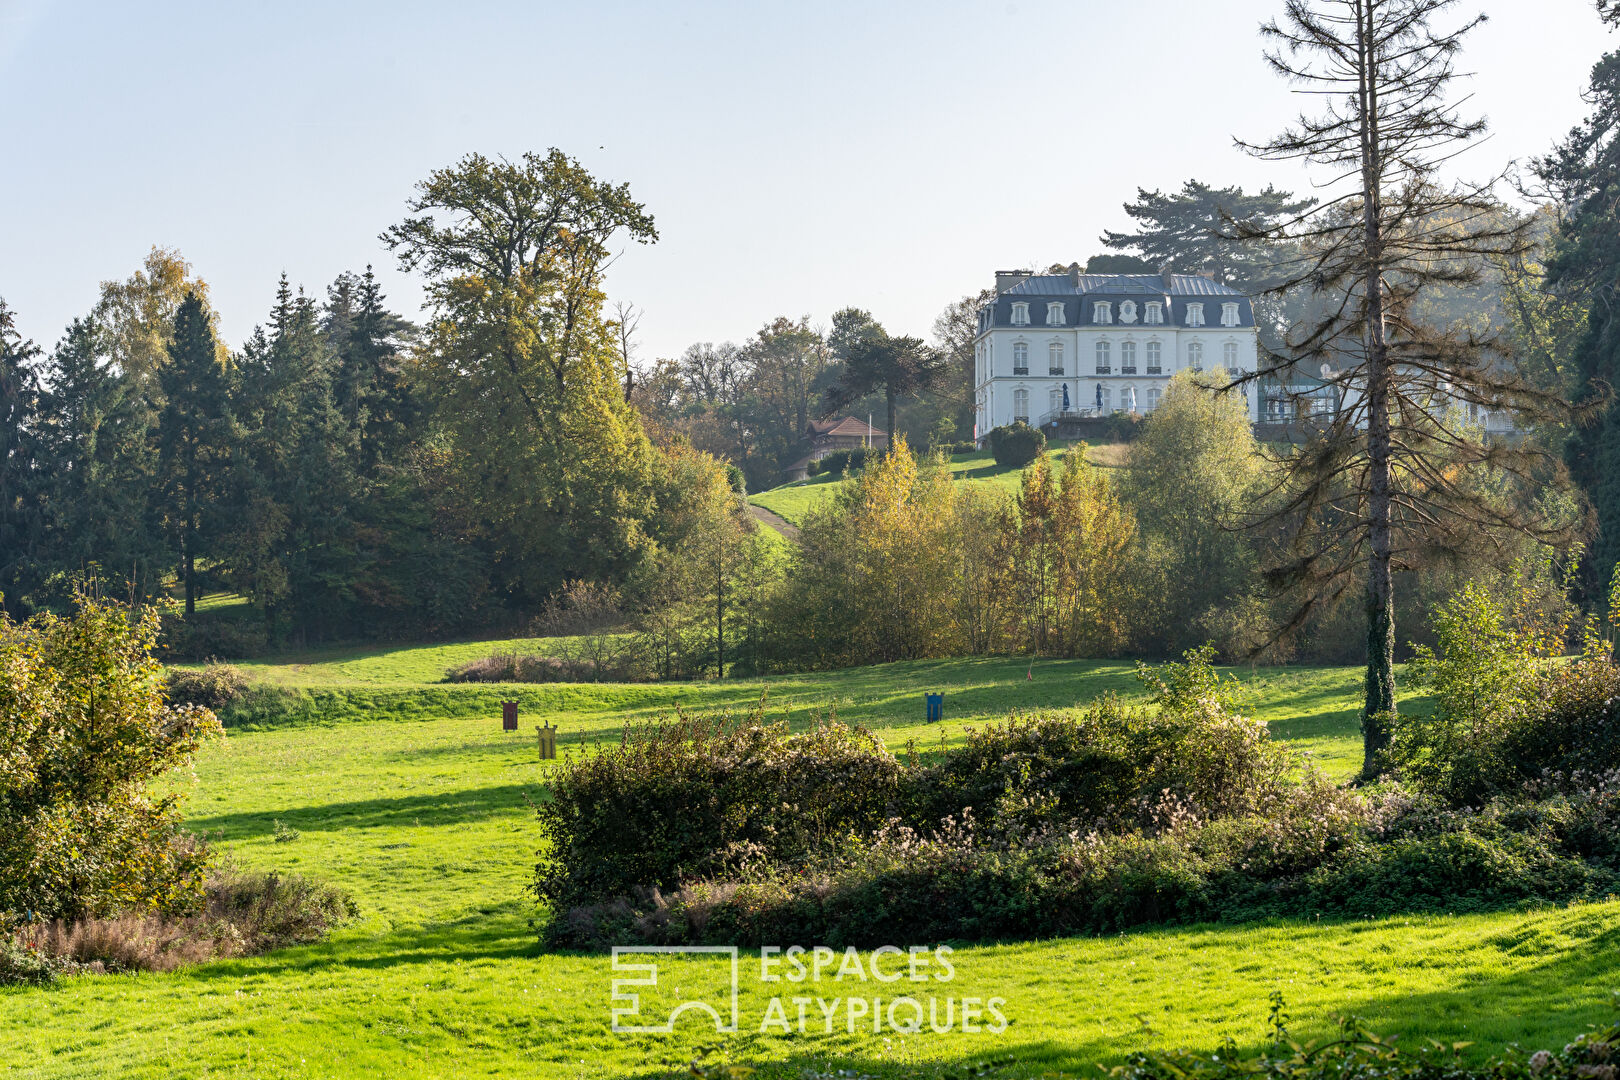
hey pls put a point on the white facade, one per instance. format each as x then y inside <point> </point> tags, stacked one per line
<point>1117,336</point>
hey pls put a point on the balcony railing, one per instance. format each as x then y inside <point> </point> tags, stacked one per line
<point>1104,369</point>
<point>1020,371</point>
<point>1127,370</point>
<point>1054,371</point>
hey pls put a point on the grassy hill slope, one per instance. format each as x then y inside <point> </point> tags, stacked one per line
<point>416,803</point>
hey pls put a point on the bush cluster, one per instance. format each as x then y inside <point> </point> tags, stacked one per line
<point>1056,823</point>
<point>215,686</point>
<point>530,668</point>
<point>840,461</point>
<point>1016,444</point>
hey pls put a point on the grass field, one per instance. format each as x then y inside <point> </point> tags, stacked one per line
<point>419,809</point>
<point>793,501</point>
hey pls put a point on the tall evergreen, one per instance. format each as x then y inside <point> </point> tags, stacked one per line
<point>292,543</point>
<point>96,447</point>
<point>1583,175</point>
<point>21,497</point>
<point>196,433</point>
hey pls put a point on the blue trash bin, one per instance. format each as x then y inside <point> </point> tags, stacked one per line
<point>936,707</point>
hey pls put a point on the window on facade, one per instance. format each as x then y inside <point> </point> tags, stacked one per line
<point>1229,356</point>
<point>1054,400</point>
<point>1229,314</point>
<point>1127,311</point>
<point>1152,399</point>
<point>1195,314</point>
<point>1153,315</point>
<point>1020,316</point>
<point>1054,314</point>
<point>1102,312</point>
<point>1021,405</point>
<point>1195,356</point>
<point>1155,354</point>
<point>1107,399</point>
<point>1020,358</point>
<point>1103,358</point>
<point>1054,358</point>
<point>1127,358</point>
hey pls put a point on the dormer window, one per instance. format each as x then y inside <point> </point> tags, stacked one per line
<point>1229,314</point>
<point>1127,311</point>
<point>1102,312</point>
<point>1020,315</point>
<point>1054,314</point>
<point>1195,314</point>
<point>1153,313</point>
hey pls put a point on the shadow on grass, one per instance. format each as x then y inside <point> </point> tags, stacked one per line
<point>437,809</point>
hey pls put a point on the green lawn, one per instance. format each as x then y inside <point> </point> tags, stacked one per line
<point>421,812</point>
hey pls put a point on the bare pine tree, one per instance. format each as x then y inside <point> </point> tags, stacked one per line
<point>1392,472</point>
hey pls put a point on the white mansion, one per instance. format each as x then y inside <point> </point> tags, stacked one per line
<point>1110,341</point>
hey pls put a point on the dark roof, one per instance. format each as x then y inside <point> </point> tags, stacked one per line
<point>1056,285</point>
<point>847,425</point>
<point>1073,295</point>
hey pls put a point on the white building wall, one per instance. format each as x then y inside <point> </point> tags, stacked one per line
<point>997,383</point>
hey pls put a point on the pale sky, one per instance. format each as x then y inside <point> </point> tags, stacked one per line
<point>798,158</point>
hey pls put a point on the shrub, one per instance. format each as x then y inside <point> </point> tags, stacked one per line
<point>840,461</point>
<point>214,687</point>
<point>84,729</point>
<point>204,636</point>
<point>528,668</point>
<point>1509,711</point>
<point>1016,444</point>
<point>241,914</point>
<point>694,796</point>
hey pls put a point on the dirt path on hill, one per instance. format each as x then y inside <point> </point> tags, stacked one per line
<point>775,521</point>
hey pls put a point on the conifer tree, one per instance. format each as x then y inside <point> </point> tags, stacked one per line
<point>196,436</point>
<point>98,452</point>
<point>21,524</point>
<point>1390,477</point>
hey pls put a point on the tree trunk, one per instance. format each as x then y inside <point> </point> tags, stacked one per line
<point>1379,706</point>
<point>189,541</point>
<point>889,396</point>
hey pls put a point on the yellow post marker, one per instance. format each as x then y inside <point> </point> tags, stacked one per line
<point>548,742</point>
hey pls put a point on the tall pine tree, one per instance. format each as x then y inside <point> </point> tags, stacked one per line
<point>196,434</point>
<point>21,516</point>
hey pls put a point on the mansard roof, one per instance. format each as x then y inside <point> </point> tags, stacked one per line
<point>1056,285</point>
<point>1175,291</point>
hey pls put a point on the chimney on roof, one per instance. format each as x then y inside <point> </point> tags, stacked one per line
<point>1074,274</point>
<point>1007,279</point>
<point>1164,275</point>
<point>1210,274</point>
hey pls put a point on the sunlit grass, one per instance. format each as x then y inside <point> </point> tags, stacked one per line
<point>420,810</point>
